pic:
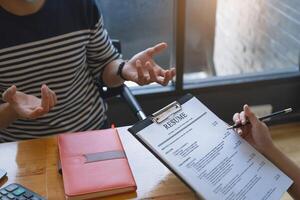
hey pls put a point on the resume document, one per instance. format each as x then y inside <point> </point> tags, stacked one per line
<point>215,162</point>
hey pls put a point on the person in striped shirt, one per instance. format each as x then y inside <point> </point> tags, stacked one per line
<point>51,52</point>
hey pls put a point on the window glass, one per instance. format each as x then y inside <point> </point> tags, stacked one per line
<point>233,37</point>
<point>140,24</point>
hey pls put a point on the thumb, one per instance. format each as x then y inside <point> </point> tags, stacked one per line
<point>250,115</point>
<point>156,49</point>
<point>9,94</point>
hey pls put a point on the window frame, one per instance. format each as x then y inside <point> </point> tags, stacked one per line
<point>178,59</point>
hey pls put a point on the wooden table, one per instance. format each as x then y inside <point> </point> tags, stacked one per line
<point>33,163</point>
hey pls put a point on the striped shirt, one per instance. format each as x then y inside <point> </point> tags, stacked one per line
<point>65,46</point>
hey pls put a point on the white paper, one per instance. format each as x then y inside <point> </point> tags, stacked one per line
<point>214,161</point>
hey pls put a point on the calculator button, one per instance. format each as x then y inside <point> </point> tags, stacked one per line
<point>27,194</point>
<point>19,191</point>
<point>11,196</point>
<point>4,192</point>
<point>11,187</point>
<point>5,198</point>
<point>21,198</point>
<point>35,198</point>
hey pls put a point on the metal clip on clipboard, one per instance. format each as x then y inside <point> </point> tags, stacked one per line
<point>164,113</point>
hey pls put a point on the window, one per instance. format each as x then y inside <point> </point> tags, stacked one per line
<point>139,24</point>
<point>221,40</point>
<point>232,37</point>
<point>227,52</point>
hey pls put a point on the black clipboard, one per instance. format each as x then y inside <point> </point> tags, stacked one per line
<point>183,108</point>
<point>159,117</point>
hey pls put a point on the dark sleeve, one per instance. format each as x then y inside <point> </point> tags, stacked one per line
<point>100,50</point>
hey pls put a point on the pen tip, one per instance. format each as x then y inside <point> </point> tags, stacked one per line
<point>288,110</point>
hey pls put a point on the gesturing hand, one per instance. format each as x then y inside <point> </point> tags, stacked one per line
<point>28,106</point>
<point>143,70</point>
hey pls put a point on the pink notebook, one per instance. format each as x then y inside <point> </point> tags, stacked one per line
<point>94,164</point>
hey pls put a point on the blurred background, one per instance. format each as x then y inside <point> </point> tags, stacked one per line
<point>224,37</point>
<point>226,52</point>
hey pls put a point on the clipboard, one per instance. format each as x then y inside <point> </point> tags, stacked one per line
<point>159,117</point>
<point>166,143</point>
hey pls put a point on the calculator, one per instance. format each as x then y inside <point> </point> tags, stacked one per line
<point>16,191</point>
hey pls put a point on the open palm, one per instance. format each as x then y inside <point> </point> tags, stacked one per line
<point>143,70</point>
<point>28,106</point>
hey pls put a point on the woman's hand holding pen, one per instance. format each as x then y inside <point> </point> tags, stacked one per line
<point>258,135</point>
<point>256,132</point>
